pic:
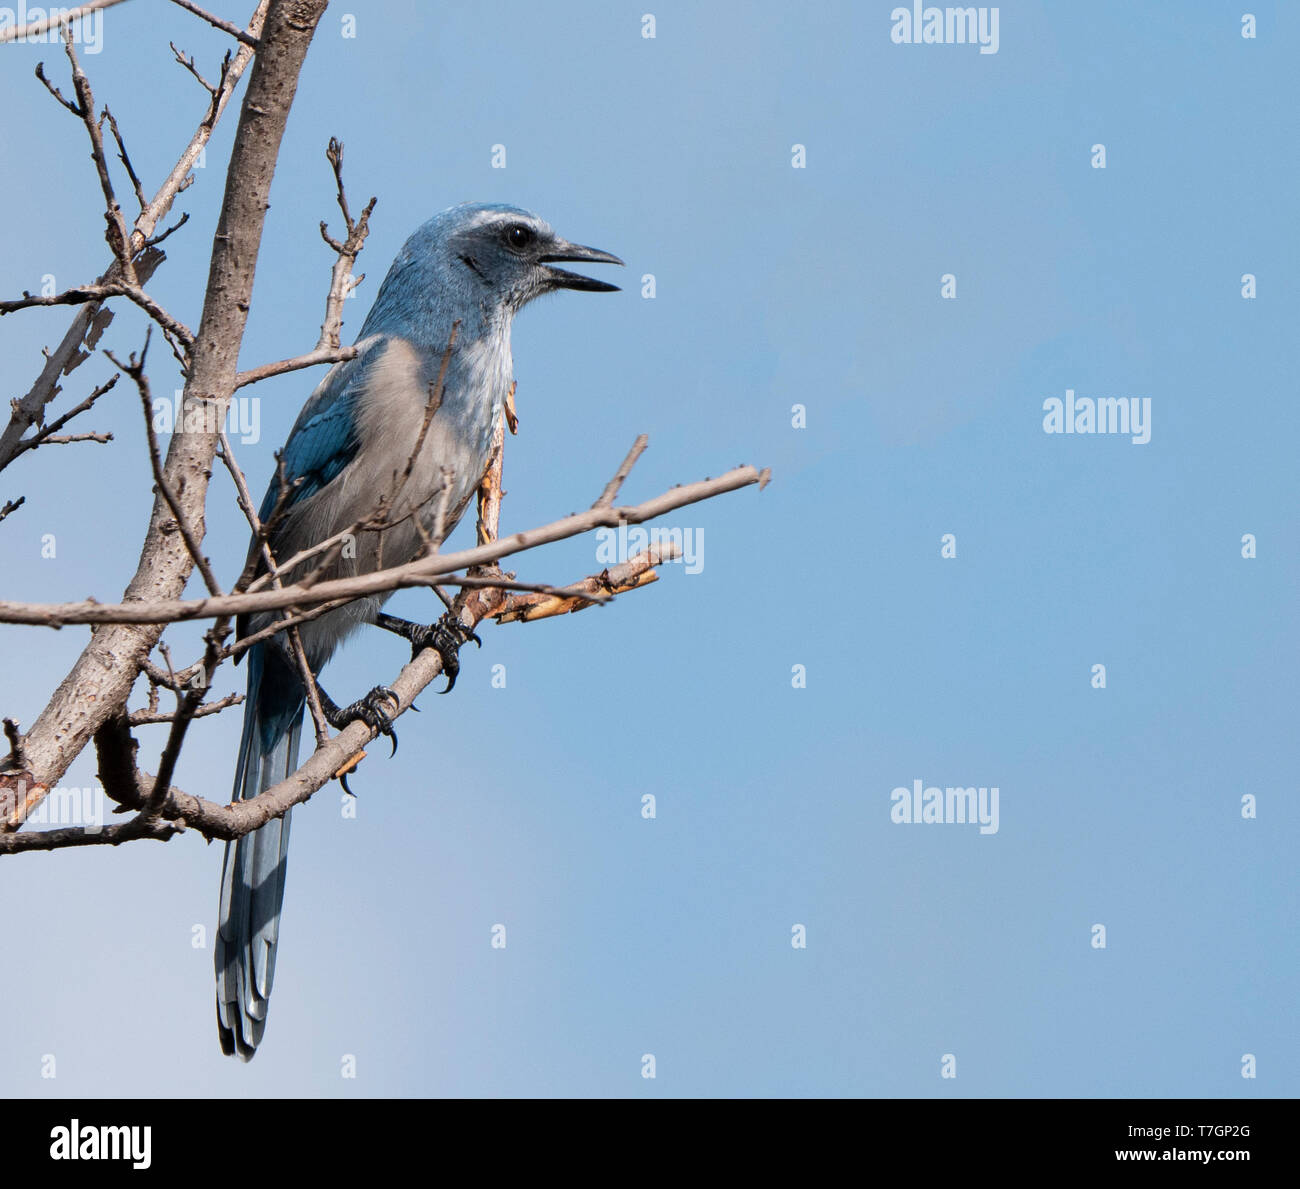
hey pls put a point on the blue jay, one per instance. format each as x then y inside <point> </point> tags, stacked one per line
<point>469,270</point>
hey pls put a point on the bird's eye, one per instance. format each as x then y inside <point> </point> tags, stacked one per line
<point>518,236</point>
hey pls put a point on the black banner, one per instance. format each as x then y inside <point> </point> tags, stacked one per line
<point>337,1137</point>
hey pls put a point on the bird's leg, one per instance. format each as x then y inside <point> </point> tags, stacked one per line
<point>446,637</point>
<point>369,710</point>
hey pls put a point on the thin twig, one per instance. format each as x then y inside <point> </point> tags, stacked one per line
<point>217,23</point>
<point>124,157</point>
<point>46,435</point>
<point>119,240</point>
<point>189,65</point>
<point>613,487</point>
<point>279,368</point>
<point>99,292</point>
<point>157,239</point>
<point>141,718</point>
<point>64,439</point>
<point>342,281</point>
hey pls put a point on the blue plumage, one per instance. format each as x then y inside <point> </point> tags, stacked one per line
<point>471,268</point>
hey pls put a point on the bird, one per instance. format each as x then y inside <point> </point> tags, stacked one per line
<point>446,306</point>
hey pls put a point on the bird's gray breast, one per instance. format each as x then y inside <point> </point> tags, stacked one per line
<point>449,464</point>
<point>390,480</point>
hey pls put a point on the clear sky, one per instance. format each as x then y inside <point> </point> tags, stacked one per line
<point>929,947</point>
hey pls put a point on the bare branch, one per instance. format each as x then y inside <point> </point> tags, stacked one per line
<point>185,712</point>
<point>420,572</point>
<point>311,359</point>
<point>157,239</point>
<point>119,241</point>
<point>188,63</point>
<point>124,157</point>
<point>599,588</point>
<point>12,506</point>
<point>217,23</point>
<point>274,629</point>
<point>341,280</point>
<point>613,487</point>
<point>130,831</point>
<point>140,718</point>
<point>53,90</point>
<point>82,294</point>
<point>65,439</point>
<point>46,436</point>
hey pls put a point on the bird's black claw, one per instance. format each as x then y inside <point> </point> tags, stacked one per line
<point>446,637</point>
<point>369,710</point>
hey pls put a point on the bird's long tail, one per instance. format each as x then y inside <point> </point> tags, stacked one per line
<point>252,877</point>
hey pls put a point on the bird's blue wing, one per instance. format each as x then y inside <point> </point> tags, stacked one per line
<point>324,439</point>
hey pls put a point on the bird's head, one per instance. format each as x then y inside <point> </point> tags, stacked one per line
<point>480,258</point>
<point>509,256</point>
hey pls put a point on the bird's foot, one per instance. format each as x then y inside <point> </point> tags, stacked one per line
<point>369,710</point>
<point>446,637</point>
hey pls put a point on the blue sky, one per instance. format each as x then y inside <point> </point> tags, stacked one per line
<point>774,287</point>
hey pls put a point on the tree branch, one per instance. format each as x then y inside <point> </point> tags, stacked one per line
<point>102,678</point>
<point>217,23</point>
<point>46,436</point>
<point>82,294</point>
<point>341,280</point>
<point>297,363</point>
<point>613,487</point>
<point>420,572</point>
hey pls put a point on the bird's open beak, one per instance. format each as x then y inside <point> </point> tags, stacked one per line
<point>562,278</point>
